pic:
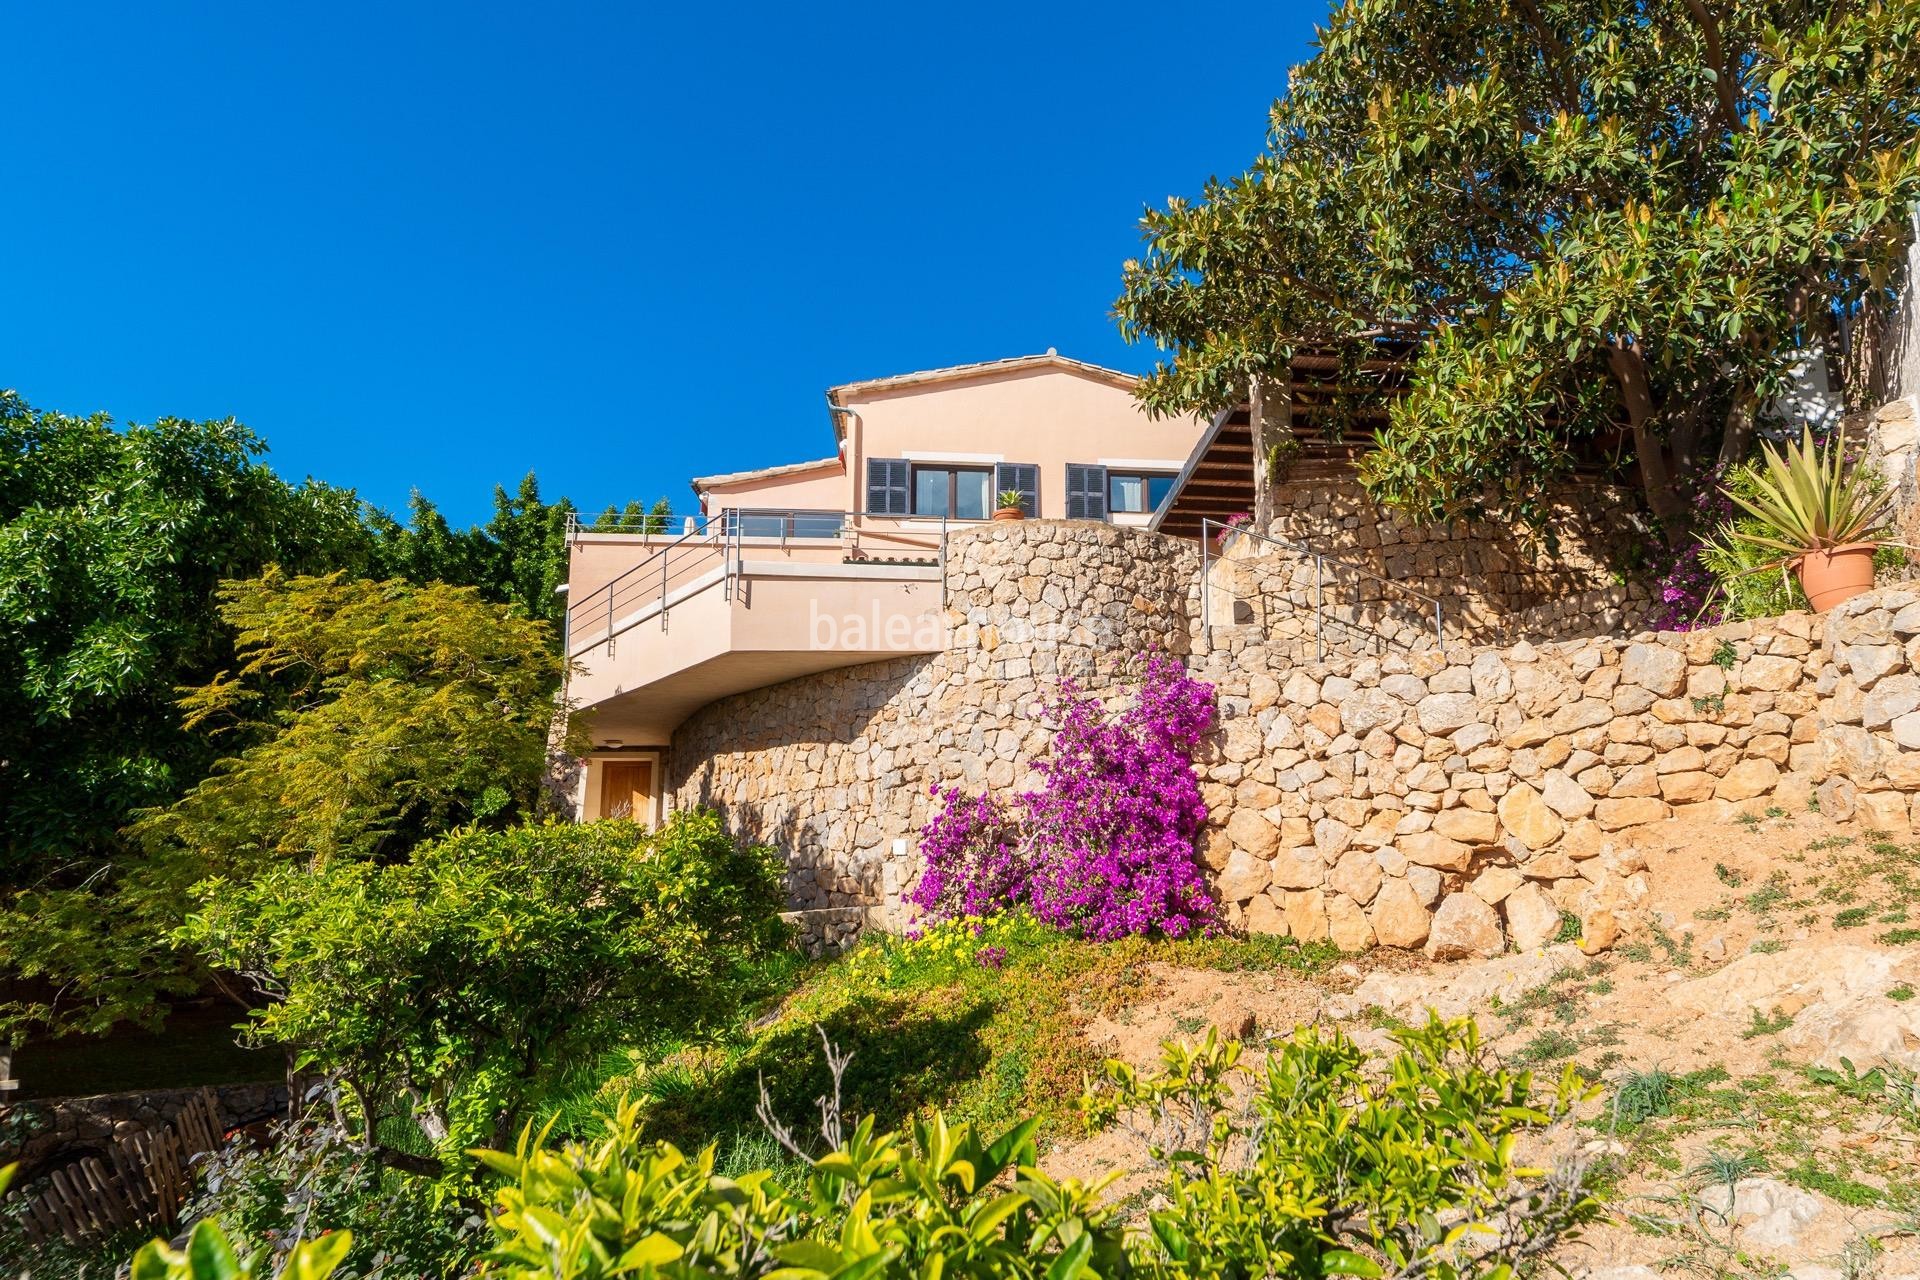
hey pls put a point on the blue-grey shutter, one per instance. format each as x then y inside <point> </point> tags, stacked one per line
<point>887,481</point>
<point>1086,492</point>
<point>1024,476</point>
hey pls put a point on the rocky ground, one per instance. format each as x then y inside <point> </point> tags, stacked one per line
<point>1755,1025</point>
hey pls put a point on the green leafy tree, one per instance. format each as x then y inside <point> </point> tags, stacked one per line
<point>635,518</point>
<point>658,517</point>
<point>112,544</point>
<point>1588,225</point>
<point>519,557</point>
<point>455,989</point>
<point>366,716</point>
<point>530,549</point>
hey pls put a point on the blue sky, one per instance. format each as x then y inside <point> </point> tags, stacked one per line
<point>433,247</point>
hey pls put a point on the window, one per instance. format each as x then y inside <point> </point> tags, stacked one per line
<point>958,493</point>
<point>1022,478</point>
<point>1086,492</point>
<point>887,486</point>
<point>1140,493</point>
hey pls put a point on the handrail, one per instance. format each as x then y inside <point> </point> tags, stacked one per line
<point>1320,561</point>
<point>612,588</point>
<point>657,575</point>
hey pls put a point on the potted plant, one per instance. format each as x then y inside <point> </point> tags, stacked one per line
<point>1011,506</point>
<point>1231,531</point>
<point>1818,515</point>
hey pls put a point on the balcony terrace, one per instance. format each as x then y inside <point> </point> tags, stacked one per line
<point>659,625</point>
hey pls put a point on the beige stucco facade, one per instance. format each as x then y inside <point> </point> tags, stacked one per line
<point>1046,411</point>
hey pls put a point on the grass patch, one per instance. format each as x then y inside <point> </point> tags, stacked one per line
<point>1644,1095</point>
<point>1898,937</point>
<point>1852,917</point>
<point>1767,1025</point>
<point>1550,1045</point>
<point>987,1024</point>
<point>1811,1177</point>
<point>1902,992</point>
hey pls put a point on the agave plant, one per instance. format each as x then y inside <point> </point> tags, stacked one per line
<point>1808,499</point>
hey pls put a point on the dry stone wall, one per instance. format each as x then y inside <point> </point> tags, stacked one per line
<point>1453,798</point>
<point>1458,799</point>
<point>1380,570</point>
<point>835,769</point>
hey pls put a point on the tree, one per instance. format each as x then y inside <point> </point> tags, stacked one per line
<point>519,557</point>
<point>635,518</point>
<point>454,988</point>
<point>658,516</point>
<point>370,716</point>
<point>1589,223</point>
<point>366,717</point>
<point>530,558</point>
<point>112,543</point>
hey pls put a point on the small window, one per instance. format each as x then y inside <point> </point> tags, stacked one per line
<point>1137,492</point>
<point>957,493</point>
<point>887,486</point>
<point>1086,492</point>
<point>1022,478</point>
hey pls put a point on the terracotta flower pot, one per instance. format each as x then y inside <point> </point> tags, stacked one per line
<point>1837,574</point>
<point>1009,513</point>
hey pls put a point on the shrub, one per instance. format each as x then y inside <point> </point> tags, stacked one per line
<point>308,1175</point>
<point>455,989</point>
<point>1330,1170</point>
<point>209,1255</point>
<point>1105,845</point>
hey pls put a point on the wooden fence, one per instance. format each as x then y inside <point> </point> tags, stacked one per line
<point>142,1182</point>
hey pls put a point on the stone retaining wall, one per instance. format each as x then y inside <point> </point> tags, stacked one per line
<point>1439,797</point>
<point>834,769</point>
<point>1493,585</point>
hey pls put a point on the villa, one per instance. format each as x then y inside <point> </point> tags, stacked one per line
<point>830,645</point>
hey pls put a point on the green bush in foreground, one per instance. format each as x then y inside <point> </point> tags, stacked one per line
<point>1327,1169</point>
<point>452,992</point>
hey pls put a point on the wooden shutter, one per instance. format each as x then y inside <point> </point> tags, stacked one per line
<point>1024,476</point>
<point>887,487</point>
<point>1086,492</point>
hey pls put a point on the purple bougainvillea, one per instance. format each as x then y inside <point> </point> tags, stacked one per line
<point>1684,584</point>
<point>1105,845</point>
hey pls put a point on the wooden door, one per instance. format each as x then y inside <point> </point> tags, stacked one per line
<point>626,790</point>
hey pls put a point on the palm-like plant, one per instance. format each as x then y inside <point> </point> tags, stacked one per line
<point>1808,499</point>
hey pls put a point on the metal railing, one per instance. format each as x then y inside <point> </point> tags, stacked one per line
<point>681,566</point>
<point>1323,566</point>
<point>658,526</point>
